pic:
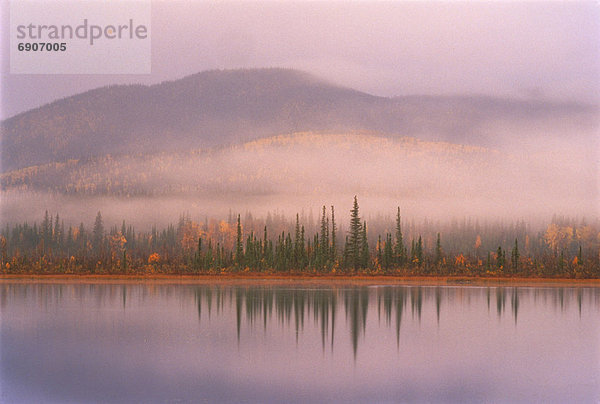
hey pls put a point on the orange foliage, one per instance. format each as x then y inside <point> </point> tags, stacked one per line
<point>154,258</point>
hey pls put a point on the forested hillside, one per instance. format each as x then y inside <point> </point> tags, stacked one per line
<point>227,107</point>
<point>303,161</point>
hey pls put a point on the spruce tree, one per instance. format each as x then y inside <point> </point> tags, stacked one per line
<point>500,258</point>
<point>98,234</point>
<point>239,247</point>
<point>56,234</point>
<point>333,235</point>
<point>346,253</point>
<point>199,259</point>
<point>438,250</point>
<point>419,251</point>
<point>353,243</point>
<point>399,250</point>
<point>208,260</point>
<point>388,253</point>
<point>297,247</point>
<point>379,252</point>
<point>324,239</point>
<point>265,243</point>
<point>302,248</point>
<point>514,256</point>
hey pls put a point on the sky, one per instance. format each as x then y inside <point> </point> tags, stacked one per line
<point>547,50</point>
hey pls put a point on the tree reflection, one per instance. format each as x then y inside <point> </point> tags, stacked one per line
<point>291,307</point>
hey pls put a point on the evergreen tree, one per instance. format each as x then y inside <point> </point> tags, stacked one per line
<point>249,255</point>
<point>399,249</point>
<point>297,244</point>
<point>57,234</point>
<point>265,246</point>
<point>353,243</point>
<point>324,240</point>
<point>514,256</point>
<point>239,247</point>
<point>500,258</point>
<point>388,253</point>
<point>333,235</point>
<point>46,230</point>
<point>98,234</point>
<point>302,249</point>
<point>379,252</point>
<point>346,253</point>
<point>208,259</point>
<point>419,251</point>
<point>438,250</point>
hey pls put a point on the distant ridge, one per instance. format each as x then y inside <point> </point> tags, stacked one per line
<point>231,106</point>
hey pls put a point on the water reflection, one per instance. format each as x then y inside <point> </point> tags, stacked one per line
<point>293,306</point>
<point>407,335</point>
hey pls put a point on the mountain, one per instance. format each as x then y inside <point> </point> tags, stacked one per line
<point>227,107</point>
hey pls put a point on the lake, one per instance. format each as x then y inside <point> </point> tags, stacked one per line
<point>262,341</point>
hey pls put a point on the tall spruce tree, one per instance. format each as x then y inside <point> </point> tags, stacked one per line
<point>333,236</point>
<point>399,249</point>
<point>353,242</point>
<point>302,248</point>
<point>239,247</point>
<point>324,239</point>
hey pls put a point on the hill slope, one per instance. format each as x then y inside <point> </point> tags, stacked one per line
<point>225,107</point>
<point>299,170</point>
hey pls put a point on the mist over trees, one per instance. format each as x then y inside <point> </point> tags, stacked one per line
<point>275,244</point>
<point>428,179</point>
<point>478,179</point>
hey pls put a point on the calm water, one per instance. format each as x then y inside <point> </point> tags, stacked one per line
<point>261,342</point>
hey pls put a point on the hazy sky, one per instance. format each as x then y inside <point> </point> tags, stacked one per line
<point>516,49</point>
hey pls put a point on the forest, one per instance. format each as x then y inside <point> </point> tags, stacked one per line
<point>565,248</point>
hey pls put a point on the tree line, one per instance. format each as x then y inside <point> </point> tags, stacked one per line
<point>226,247</point>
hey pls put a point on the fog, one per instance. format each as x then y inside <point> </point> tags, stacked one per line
<point>515,49</point>
<point>299,173</point>
<point>523,169</point>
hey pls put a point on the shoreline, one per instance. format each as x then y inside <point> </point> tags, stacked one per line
<point>325,279</point>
